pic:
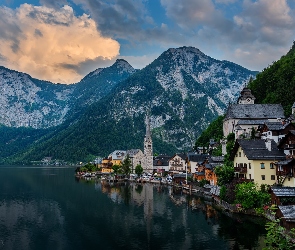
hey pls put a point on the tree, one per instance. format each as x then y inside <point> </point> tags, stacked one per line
<point>250,196</point>
<point>225,174</point>
<point>126,165</point>
<point>138,169</point>
<point>277,238</point>
<point>116,168</point>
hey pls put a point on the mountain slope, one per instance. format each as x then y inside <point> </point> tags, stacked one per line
<point>183,90</point>
<point>29,102</point>
<point>276,83</point>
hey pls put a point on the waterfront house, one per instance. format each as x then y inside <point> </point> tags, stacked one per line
<point>194,161</point>
<point>180,179</point>
<point>178,163</point>
<point>106,165</point>
<point>282,196</point>
<point>213,162</point>
<point>255,160</point>
<point>244,116</point>
<point>287,216</point>
<point>117,156</point>
<point>161,164</point>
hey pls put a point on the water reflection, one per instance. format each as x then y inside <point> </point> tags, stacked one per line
<point>237,231</point>
<point>44,208</point>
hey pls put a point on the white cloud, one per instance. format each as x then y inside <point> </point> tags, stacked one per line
<point>51,43</point>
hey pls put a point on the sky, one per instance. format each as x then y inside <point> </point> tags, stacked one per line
<point>63,40</point>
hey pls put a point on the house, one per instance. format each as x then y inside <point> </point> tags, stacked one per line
<point>181,178</point>
<point>275,130</point>
<point>117,156</point>
<point>196,165</point>
<point>178,163</point>
<point>161,164</point>
<point>287,143</point>
<point>285,171</point>
<point>244,116</point>
<point>255,160</point>
<point>213,162</point>
<point>106,165</point>
<point>136,156</point>
<point>282,196</point>
<point>287,216</point>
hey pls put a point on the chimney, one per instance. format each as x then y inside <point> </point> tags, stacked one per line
<point>268,144</point>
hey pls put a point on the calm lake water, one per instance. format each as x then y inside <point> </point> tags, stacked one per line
<point>48,208</point>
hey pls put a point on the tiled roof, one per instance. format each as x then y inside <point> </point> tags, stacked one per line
<point>285,162</point>
<point>164,159</point>
<point>197,157</point>
<point>182,156</point>
<point>216,159</point>
<point>256,150</point>
<point>255,111</point>
<point>275,125</point>
<point>288,212</point>
<point>215,190</point>
<point>250,122</point>
<point>283,191</point>
<point>132,152</point>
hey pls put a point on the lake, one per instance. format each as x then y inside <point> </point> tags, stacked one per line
<point>48,208</point>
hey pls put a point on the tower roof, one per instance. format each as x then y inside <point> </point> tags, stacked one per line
<point>246,95</point>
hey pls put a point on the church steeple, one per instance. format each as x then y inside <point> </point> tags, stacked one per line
<point>148,147</point>
<point>246,97</point>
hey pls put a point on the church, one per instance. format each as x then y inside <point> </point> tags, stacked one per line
<point>241,117</point>
<point>147,161</point>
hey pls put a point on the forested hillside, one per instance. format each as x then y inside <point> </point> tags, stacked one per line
<point>276,83</point>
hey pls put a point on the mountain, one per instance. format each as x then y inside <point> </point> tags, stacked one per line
<point>183,91</point>
<point>29,102</point>
<point>98,84</point>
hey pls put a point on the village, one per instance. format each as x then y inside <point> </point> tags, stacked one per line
<point>263,153</point>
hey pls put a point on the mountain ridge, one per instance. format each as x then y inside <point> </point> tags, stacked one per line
<point>183,89</point>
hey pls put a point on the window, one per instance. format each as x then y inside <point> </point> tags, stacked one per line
<point>272,177</point>
<point>271,166</point>
<point>250,176</point>
<point>250,166</point>
<point>239,154</point>
<point>262,166</point>
<point>263,177</point>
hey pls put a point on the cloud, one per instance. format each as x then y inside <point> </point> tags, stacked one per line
<point>256,29</point>
<point>51,44</point>
<point>56,4</point>
<point>225,1</point>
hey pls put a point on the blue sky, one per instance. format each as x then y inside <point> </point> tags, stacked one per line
<point>63,40</point>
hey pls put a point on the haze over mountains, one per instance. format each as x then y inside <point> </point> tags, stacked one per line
<point>183,91</point>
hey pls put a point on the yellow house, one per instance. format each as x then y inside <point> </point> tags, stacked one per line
<point>255,160</point>
<point>106,166</point>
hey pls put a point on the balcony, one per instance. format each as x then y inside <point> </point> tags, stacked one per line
<point>241,169</point>
<point>284,173</point>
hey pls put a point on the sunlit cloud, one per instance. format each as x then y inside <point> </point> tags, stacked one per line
<point>52,44</point>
